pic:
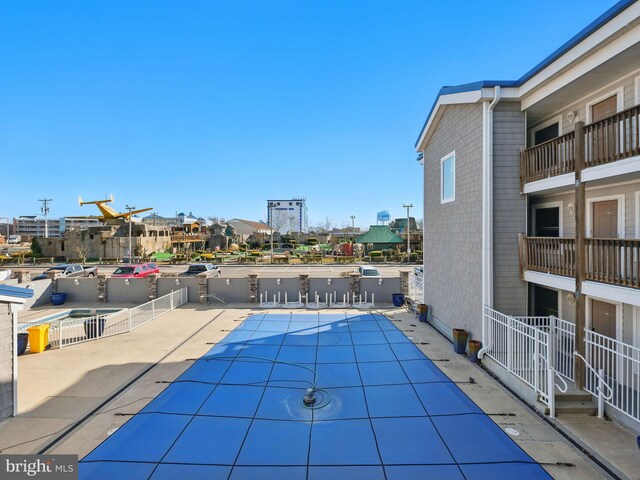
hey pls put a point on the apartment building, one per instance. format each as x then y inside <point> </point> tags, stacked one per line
<point>532,212</point>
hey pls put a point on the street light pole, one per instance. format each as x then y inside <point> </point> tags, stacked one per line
<point>130,209</point>
<point>408,230</point>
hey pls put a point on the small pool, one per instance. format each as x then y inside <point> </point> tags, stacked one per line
<point>383,411</point>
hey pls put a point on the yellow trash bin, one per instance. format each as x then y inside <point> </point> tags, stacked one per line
<point>38,338</point>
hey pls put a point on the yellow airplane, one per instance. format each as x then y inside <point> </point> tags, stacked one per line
<point>109,215</point>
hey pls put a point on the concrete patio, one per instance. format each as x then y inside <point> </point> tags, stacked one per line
<point>70,399</point>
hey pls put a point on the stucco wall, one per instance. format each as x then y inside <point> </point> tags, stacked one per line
<point>236,292</point>
<point>452,231</point>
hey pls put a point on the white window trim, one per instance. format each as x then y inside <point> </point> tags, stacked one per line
<point>442,160</point>
<point>618,92</point>
<point>621,223</point>
<point>559,205</point>
<point>557,119</point>
<point>637,89</point>
<point>589,319</point>
<point>638,214</point>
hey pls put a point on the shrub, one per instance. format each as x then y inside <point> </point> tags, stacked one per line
<point>375,253</point>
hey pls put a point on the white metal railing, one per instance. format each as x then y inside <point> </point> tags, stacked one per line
<point>416,288</point>
<point>563,340</point>
<point>523,350</point>
<point>69,331</point>
<point>614,365</point>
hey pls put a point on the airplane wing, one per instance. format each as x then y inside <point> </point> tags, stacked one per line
<point>133,212</point>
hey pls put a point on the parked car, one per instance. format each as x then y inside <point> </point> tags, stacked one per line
<point>369,272</point>
<point>198,268</point>
<point>69,270</point>
<point>154,267</point>
<point>140,270</point>
<point>418,271</point>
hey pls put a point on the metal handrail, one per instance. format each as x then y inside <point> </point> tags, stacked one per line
<point>602,380</point>
<point>555,373</point>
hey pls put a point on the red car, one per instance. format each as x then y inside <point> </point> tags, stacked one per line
<point>140,270</point>
<point>154,267</point>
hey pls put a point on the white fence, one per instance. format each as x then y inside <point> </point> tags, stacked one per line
<point>523,350</point>
<point>612,367</point>
<point>616,365</point>
<point>416,288</point>
<point>69,331</point>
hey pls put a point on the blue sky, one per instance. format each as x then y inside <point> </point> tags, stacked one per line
<point>215,106</point>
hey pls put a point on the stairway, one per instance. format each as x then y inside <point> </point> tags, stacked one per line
<point>575,403</point>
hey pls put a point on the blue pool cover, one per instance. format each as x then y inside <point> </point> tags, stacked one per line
<point>383,411</point>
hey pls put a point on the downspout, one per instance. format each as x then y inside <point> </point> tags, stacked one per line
<point>487,209</point>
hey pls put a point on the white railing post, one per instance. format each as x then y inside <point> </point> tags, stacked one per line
<point>551,346</point>
<point>171,301</point>
<point>552,391</point>
<point>60,342</point>
<point>130,320</point>
<point>509,342</point>
<point>536,363</point>
<point>153,309</point>
<point>601,393</point>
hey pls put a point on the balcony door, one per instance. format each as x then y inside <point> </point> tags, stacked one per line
<point>604,322</point>
<point>543,302</point>
<point>547,221</point>
<point>605,219</point>
<point>605,108</point>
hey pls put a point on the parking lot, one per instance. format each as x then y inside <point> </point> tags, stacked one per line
<point>239,271</point>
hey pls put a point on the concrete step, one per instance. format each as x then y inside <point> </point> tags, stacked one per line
<point>576,407</point>
<point>573,396</point>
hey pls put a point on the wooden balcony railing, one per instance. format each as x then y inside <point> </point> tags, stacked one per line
<point>612,138</point>
<point>608,140</point>
<point>608,260</point>
<point>550,255</point>
<point>549,159</point>
<point>613,260</point>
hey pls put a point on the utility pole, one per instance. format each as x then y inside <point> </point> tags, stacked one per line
<point>353,222</point>
<point>408,230</point>
<point>130,221</point>
<point>45,209</point>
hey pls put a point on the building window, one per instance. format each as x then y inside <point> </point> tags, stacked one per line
<point>448,178</point>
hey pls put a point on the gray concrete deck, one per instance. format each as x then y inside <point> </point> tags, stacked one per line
<point>74,386</point>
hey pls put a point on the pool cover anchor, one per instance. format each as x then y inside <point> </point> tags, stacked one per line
<point>310,398</point>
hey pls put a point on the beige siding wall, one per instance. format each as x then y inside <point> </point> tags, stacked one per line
<point>628,86</point>
<point>509,208</point>
<point>628,191</point>
<point>452,240</point>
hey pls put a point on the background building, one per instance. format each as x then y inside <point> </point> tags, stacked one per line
<point>288,215</point>
<point>28,226</point>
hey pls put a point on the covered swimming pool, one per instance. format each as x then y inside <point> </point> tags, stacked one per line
<point>375,408</point>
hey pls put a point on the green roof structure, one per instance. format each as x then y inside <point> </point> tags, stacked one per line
<point>379,234</point>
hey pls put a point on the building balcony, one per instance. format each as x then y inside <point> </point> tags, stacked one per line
<point>612,261</point>
<point>609,140</point>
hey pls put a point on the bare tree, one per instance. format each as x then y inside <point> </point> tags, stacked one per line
<point>81,252</point>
